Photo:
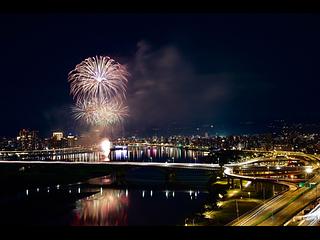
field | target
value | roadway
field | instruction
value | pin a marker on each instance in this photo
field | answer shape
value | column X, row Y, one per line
column 273, row 212
column 310, row 219
column 298, row 201
column 278, row 210
column 198, row 166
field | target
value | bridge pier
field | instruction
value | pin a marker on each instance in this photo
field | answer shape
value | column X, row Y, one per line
column 240, row 184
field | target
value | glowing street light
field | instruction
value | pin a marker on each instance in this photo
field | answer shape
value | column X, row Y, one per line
column 309, row 170
column 185, row 222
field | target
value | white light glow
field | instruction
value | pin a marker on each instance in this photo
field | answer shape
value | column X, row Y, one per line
column 308, row 170
column 105, row 146
column 247, row 184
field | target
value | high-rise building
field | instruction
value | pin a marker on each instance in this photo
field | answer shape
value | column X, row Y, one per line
column 57, row 135
column 28, row 140
column 71, row 140
column 58, row 141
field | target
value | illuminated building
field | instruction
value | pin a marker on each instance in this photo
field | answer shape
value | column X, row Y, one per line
column 28, row 140
column 57, row 135
column 71, row 140
column 58, row 141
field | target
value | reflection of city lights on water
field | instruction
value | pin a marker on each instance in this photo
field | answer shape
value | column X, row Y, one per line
column 78, row 190
column 102, row 210
column 27, row 192
column 126, row 192
column 173, row 194
column 151, row 193
column 143, row 193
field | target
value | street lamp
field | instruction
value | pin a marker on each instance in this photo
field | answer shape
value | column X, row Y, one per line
column 249, row 194
column 237, row 209
column 309, row 170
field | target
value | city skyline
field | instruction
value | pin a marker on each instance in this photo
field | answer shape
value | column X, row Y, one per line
column 159, row 119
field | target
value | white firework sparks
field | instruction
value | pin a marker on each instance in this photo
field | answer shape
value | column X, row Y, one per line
column 101, row 113
column 98, row 77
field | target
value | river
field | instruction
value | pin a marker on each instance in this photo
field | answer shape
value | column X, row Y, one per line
column 141, row 197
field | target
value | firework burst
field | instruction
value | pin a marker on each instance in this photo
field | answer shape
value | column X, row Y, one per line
column 98, row 77
column 100, row 112
column 98, row 84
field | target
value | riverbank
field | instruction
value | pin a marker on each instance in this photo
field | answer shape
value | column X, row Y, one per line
column 228, row 204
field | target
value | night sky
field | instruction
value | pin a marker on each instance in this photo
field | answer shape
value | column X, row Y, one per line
column 228, row 70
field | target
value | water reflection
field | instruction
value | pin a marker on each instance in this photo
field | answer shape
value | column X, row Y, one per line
column 107, row 208
column 155, row 153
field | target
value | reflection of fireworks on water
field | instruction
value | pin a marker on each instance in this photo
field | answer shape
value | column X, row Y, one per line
column 108, row 208
column 100, row 113
column 98, row 77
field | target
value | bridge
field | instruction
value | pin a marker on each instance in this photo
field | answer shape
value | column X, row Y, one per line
column 199, row 166
column 273, row 212
column 62, row 154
